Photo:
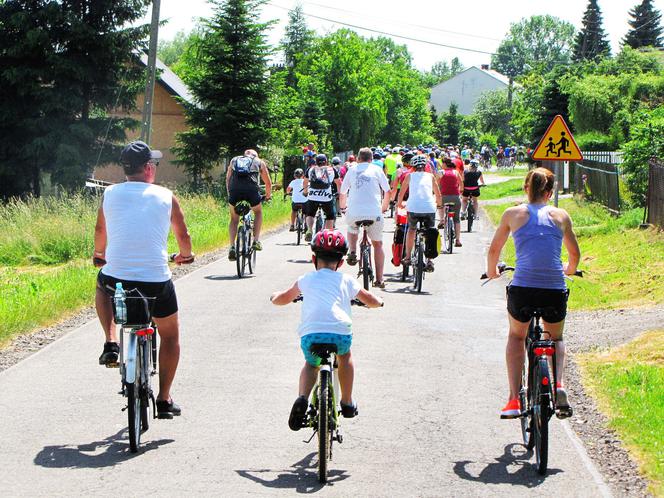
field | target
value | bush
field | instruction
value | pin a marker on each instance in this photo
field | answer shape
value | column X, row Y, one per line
column 646, row 141
column 490, row 139
column 594, row 140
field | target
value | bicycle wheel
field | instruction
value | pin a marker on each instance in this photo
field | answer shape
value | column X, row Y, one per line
column 449, row 228
column 133, row 391
column 541, row 415
column 299, row 228
column 526, row 421
column 366, row 268
column 323, row 425
column 145, row 352
column 470, row 213
column 319, row 222
column 251, row 254
column 238, row 251
column 419, row 269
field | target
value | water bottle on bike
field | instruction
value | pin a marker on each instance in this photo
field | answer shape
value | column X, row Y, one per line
column 120, row 304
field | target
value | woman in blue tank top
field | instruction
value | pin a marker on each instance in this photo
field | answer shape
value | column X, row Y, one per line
column 539, row 230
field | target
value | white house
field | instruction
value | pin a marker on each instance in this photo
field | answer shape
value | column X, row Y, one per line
column 465, row 89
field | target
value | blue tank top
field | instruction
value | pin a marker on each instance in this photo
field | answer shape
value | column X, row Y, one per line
column 538, row 246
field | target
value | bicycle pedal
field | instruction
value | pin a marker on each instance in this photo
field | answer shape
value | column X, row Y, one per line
column 339, row 438
column 113, row 365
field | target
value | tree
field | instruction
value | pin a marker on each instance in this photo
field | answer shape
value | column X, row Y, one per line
column 646, row 28
column 493, row 113
column 554, row 102
column 231, row 91
column 442, row 71
column 63, row 67
column 170, row 51
column 297, row 40
column 591, row 42
column 538, row 42
column 452, row 125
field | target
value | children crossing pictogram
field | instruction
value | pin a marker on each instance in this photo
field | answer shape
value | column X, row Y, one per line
column 557, row 144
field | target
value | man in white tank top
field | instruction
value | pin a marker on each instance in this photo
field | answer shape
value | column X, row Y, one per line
column 130, row 247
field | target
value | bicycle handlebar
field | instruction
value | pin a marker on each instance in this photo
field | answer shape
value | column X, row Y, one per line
column 353, row 302
column 502, row 268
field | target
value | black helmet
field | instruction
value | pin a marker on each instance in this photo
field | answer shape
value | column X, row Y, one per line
column 298, row 173
column 321, row 159
column 377, row 155
column 407, row 157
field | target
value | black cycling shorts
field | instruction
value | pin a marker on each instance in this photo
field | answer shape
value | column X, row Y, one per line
column 328, row 207
column 428, row 220
column 297, row 205
column 252, row 196
column 471, row 193
column 166, row 303
column 553, row 301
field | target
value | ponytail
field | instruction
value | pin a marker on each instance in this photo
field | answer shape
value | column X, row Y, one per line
column 538, row 182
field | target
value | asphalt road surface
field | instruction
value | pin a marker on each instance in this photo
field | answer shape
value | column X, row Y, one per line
column 430, row 381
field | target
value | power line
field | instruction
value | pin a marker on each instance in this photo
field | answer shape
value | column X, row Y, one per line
column 472, row 35
column 428, row 42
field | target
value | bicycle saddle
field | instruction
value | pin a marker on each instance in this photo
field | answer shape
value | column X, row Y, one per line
column 449, row 204
column 242, row 208
column 364, row 223
column 534, row 312
column 323, row 350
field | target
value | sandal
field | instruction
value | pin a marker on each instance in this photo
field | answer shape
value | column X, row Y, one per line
column 379, row 284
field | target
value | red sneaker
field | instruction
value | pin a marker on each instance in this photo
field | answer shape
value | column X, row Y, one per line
column 512, row 409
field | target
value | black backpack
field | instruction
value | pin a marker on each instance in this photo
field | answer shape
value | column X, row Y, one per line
column 319, row 178
column 243, row 166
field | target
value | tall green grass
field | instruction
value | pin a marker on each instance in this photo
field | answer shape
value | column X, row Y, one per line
column 46, row 245
column 507, row 188
column 624, row 265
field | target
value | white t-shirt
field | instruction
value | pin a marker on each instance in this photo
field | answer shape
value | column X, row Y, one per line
column 138, row 218
column 421, row 198
column 326, row 304
column 320, row 194
column 364, row 185
column 297, row 188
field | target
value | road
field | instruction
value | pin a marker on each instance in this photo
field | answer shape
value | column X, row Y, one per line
column 430, row 381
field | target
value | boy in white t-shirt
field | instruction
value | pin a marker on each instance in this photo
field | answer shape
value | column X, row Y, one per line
column 325, row 319
column 298, row 199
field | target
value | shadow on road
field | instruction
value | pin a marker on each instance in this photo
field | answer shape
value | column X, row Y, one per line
column 301, row 477
column 299, row 260
column 226, row 277
column 106, row 453
column 512, row 467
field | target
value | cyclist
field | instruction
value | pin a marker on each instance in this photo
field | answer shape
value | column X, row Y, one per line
column 243, row 184
column 424, row 196
column 318, row 189
column 336, row 166
column 325, row 319
column 132, row 227
column 451, row 185
column 392, row 163
column 368, row 193
column 472, row 179
column 539, row 230
column 298, row 199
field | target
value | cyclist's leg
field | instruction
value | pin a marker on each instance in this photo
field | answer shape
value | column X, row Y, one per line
column 293, row 214
column 258, row 221
column 169, row 353
column 346, row 376
column 555, row 331
column 330, row 214
column 515, row 354
column 410, row 239
column 105, row 313
column 308, row 376
column 375, row 233
column 352, row 234
column 232, row 225
column 464, row 204
column 309, row 212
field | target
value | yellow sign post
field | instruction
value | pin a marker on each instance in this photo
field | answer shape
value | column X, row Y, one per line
column 557, row 143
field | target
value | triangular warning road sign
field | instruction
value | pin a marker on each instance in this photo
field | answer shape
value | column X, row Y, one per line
column 557, row 144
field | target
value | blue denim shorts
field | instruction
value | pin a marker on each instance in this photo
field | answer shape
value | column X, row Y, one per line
column 343, row 343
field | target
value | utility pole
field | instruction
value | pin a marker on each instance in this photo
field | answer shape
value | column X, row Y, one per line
column 146, row 124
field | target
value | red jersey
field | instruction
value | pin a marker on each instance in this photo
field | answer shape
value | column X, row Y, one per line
column 449, row 182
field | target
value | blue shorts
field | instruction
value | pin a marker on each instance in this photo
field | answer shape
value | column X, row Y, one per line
column 343, row 343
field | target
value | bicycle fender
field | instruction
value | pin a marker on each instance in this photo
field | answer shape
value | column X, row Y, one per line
column 130, row 371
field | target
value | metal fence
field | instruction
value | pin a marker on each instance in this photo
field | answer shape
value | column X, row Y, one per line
column 598, row 180
column 656, row 192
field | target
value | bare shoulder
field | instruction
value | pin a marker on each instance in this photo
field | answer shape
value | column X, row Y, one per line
column 560, row 217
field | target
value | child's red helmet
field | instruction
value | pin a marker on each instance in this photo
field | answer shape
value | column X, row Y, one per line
column 330, row 242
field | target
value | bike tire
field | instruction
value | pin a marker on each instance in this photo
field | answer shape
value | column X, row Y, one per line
column 419, row 269
column 526, row 420
column 145, row 384
column 319, row 223
column 134, row 408
column 299, row 229
column 450, row 235
column 251, row 254
column 470, row 213
column 323, row 425
column 366, row 269
column 238, row 252
column 541, row 416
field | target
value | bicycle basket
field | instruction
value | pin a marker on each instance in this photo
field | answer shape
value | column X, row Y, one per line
column 242, row 208
column 139, row 308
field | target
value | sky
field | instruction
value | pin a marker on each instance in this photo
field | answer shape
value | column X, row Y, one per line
column 471, row 24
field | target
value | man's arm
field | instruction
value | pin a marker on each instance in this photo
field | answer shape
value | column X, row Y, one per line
column 99, row 255
column 181, row 234
column 265, row 175
column 385, row 187
column 229, row 174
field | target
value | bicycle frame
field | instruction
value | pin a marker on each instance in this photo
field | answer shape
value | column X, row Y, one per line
column 365, row 255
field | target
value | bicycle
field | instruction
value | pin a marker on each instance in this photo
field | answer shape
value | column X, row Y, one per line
column 300, row 224
column 137, row 362
column 245, row 259
column 449, row 233
column 365, row 269
column 320, row 220
column 537, row 393
column 324, row 407
column 470, row 212
column 417, row 258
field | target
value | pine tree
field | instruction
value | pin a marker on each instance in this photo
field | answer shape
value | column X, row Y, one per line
column 231, row 91
column 297, row 40
column 591, row 42
column 63, row 67
column 646, row 26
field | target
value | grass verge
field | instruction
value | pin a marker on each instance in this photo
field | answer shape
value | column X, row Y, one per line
column 628, row 384
column 45, row 245
column 624, row 265
column 507, row 188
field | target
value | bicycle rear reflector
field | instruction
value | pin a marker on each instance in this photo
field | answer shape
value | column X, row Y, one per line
column 548, row 351
column 147, row 331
